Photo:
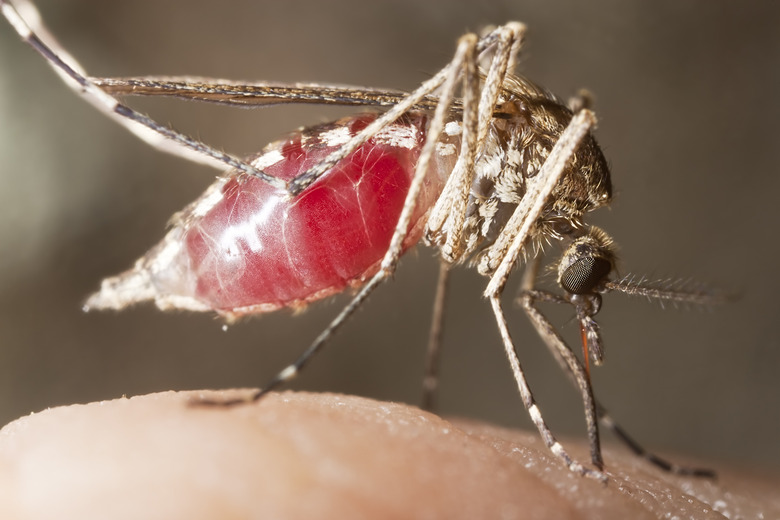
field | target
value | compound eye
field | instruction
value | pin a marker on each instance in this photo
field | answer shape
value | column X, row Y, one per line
column 582, row 276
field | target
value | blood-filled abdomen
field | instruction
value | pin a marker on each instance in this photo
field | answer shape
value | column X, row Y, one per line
column 246, row 247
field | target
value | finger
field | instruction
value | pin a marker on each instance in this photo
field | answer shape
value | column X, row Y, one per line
column 297, row 455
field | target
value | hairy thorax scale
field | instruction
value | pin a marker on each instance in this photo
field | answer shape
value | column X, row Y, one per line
column 526, row 124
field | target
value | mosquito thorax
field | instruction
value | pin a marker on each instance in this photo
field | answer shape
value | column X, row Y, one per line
column 586, row 263
column 526, row 124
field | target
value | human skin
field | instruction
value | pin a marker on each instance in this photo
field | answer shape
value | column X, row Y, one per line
column 301, row 455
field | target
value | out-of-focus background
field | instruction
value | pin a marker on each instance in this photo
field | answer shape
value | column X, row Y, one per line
column 687, row 99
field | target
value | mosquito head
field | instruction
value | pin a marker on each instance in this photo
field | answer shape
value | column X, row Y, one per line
column 583, row 273
column 586, row 263
column 584, row 270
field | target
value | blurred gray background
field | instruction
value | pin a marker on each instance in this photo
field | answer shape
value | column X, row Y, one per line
column 687, row 99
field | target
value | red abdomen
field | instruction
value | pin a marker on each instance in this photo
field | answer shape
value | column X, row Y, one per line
column 246, row 247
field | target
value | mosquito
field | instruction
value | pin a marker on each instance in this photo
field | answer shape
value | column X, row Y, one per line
column 477, row 162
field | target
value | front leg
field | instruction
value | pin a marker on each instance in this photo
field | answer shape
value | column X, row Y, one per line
column 569, row 362
column 533, row 410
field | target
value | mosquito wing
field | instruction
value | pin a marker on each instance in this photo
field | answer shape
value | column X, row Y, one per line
column 255, row 94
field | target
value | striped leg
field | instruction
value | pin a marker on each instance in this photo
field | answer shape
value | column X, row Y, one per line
column 572, row 366
column 530, row 404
